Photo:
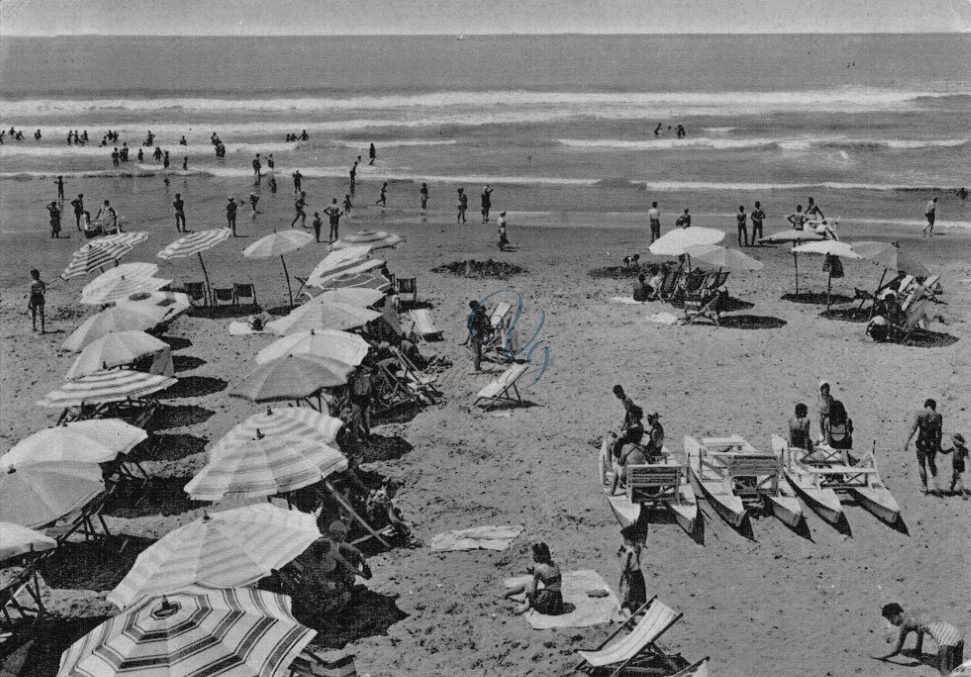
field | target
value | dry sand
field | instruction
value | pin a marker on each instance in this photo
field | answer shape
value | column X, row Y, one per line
column 778, row 605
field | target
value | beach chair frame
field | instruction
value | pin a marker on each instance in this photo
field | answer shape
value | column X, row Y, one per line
column 424, row 386
column 311, row 663
column 223, row 296
column 196, row 291
column 85, row 522
column 669, row 285
column 244, row 290
column 423, row 325
column 26, row 581
column 701, row 307
column 507, row 393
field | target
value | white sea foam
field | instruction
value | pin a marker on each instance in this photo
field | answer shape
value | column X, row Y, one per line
column 787, row 144
column 394, row 143
column 175, row 150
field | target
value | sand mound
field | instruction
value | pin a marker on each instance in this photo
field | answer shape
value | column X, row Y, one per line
column 496, row 270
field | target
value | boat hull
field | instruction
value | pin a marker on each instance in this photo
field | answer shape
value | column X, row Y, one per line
column 787, row 509
column 878, row 501
column 823, row 502
column 716, row 491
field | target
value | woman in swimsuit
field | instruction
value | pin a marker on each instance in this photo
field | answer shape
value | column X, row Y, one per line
column 547, row 599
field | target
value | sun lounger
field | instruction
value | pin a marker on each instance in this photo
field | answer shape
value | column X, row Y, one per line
column 20, row 594
column 503, row 388
column 424, row 326
column 84, row 521
column 669, row 284
column 701, row 307
column 196, row 291
column 244, row 294
column 639, row 646
column 418, row 381
column 406, row 285
column 915, row 318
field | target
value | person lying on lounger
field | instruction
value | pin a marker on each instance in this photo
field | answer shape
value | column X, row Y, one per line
column 547, row 599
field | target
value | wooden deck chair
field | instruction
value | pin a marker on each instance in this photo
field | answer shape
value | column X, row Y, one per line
column 933, row 285
column 223, row 296
column 423, row 383
column 196, row 291
column 406, row 285
column 424, row 326
column 701, row 307
column 21, row 593
column 619, row 652
column 85, row 522
column 311, row 663
column 503, row 388
column 392, row 387
column 669, row 285
column 716, row 280
column 244, row 294
column 915, row 318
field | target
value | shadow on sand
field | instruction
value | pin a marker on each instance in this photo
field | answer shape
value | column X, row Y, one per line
column 817, row 298
column 752, row 322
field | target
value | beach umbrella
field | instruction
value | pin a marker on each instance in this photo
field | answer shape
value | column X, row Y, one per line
column 289, row 378
column 723, row 258
column 40, row 494
column 316, row 343
column 130, row 239
column 112, row 385
column 93, row 441
column 891, row 257
column 363, row 280
column 114, row 350
column 791, row 236
column 675, row 242
column 341, row 261
column 266, row 466
column 282, row 421
column 371, row 239
column 118, row 318
column 121, row 288
column 196, row 632
column 278, row 244
column 230, row 549
column 92, row 256
column 322, row 315
column 196, row 243
column 827, row 248
column 164, row 306
column 362, row 298
column 17, row 540
column 131, row 271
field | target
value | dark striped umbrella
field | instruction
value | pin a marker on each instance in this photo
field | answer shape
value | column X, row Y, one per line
column 111, row 385
column 196, row 632
column 94, row 257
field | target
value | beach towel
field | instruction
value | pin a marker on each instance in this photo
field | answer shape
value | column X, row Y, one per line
column 237, row 328
column 477, row 538
column 626, row 300
column 583, row 610
column 663, row 318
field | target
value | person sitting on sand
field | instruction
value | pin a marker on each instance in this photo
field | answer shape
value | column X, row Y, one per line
column 959, row 463
column 321, row 590
column 642, row 291
column 633, row 590
column 632, row 430
column 799, row 429
column 950, row 641
column 350, row 561
column 548, row 599
column 381, row 509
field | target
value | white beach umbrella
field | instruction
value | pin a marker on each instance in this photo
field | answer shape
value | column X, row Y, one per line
column 826, row 248
column 196, row 243
column 675, row 242
column 114, row 350
column 339, row 316
column 723, row 258
column 280, row 421
column 337, row 345
column 292, row 378
column 118, row 318
column 130, row 239
column 93, row 441
column 130, row 271
column 121, row 288
column 371, row 239
column 40, row 494
column 229, row 549
column 164, row 306
column 278, row 244
column 352, row 296
column 16, row 540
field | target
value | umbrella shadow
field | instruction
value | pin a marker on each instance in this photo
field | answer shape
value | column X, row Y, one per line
column 817, row 298
column 176, row 342
column 930, row 339
column 50, row 637
column 381, row 448
column 186, row 362
column 158, row 496
column 280, row 311
column 732, row 305
column 847, row 314
column 751, row 322
column 368, row 614
column 92, row 565
column 175, row 416
column 168, row 447
column 223, row 312
column 194, row 386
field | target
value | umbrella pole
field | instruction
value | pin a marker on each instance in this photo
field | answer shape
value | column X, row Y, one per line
column 208, row 285
column 879, row 285
column 287, row 275
column 795, row 260
column 829, row 284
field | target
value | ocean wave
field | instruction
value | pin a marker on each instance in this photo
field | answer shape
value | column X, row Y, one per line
column 837, row 99
column 175, row 150
column 789, row 144
column 394, row 143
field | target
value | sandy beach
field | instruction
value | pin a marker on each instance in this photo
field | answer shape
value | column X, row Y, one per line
column 780, row 604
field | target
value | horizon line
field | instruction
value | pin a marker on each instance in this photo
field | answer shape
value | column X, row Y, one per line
column 468, row 35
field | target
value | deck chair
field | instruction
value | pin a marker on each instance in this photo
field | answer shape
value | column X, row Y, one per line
column 393, row 393
column 311, row 663
column 699, row 669
column 419, row 381
column 915, row 318
column 701, row 307
column 503, row 388
column 244, row 294
column 223, row 296
column 649, row 483
column 20, row 594
column 406, row 285
column 424, row 325
column 85, row 522
column 638, row 647
column 669, row 285
column 717, row 280
column 196, row 291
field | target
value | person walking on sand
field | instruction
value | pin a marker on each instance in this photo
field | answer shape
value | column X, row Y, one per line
column 930, row 213
column 231, row 207
column 257, row 167
column 254, row 199
column 372, row 154
column 486, row 198
column 78, row 205
column 55, row 214
column 423, row 196
column 334, row 213
column 463, row 206
column 740, row 221
column 297, row 182
column 298, row 206
column 60, row 187
column 757, row 216
column 684, row 221
column 959, row 463
column 928, row 424
column 353, row 174
column 654, row 218
column 383, row 199
column 179, row 205
column 949, row 640
column 317, row 224
column 348, row 205
column 35, row 305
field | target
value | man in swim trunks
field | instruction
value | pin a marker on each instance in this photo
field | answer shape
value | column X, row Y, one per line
column 298, row 207
column 231, row 207
column 179, row 205
column 423, row 194
column 654, row 217
column 684, row 221
column 928, row 424
column 372, row 154
column 757, row 216
column 463, row 206
column 78, row 204
column 334, row 213
column 486, row 203
column 383, row 197
column 740, row 220
column 799, row 429
column 949, row 640
column 798, row 219
column 632, row 430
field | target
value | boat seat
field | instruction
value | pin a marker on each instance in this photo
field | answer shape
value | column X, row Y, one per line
column 839, row 470
column 651, row 482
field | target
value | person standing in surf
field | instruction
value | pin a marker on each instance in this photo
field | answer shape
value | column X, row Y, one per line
column 231, row 207
column 348, row 205
column 930, row 213
column 334, row 213
column 423, row 195
column 372, row 154
column 757, row 216
column 740, row 221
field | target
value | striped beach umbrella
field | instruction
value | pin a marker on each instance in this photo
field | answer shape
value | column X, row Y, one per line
column 266, row 466
column 278, row 244
column 339, row 261
column 17, row 540
column 40, row 494
column 117, row 349
column 112, row 385
column 314, row 427
column 130, row 239
column 118, row 318
column 229, row 549
column 329, row 343
column 91, row 257
column 121, row 288
column 164, row 306
column 196, row 632
column 94, row 441
column 337, row 316
column 364, row 281
column 291, row 378
column 371, row 239
column 130, row 271
column 196, row 243
column 362, row 298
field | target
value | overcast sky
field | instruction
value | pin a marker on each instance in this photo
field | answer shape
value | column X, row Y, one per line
column 362, row 17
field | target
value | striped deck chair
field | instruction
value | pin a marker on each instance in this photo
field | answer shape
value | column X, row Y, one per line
column 669, row 285
column 914, row 319
column 639, row 646
column 699, row 669
column 503, row 388
column 424, row 327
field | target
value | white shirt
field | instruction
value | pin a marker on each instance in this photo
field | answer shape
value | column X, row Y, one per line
column 653, row 214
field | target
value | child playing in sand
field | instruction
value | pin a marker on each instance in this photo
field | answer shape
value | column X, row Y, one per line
column 36, row 304
column 960, row 450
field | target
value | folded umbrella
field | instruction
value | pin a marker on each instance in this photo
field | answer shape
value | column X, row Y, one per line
column 229, row 549
column 337, row 345
column 40, row 494
column 322, row 315
column 17, row 540
column 114, row 350
column 118, row 318
column 290, row 378
column 93, row 441
column 112, row 385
